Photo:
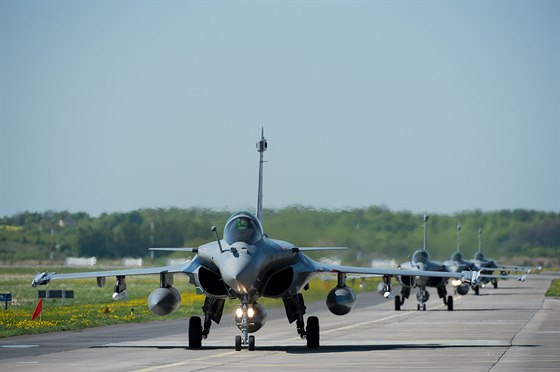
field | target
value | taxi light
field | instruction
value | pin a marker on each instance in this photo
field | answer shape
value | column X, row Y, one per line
column 250, row 312
column 239, row 312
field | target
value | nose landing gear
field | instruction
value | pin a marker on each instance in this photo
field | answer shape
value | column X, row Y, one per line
column 244, row 340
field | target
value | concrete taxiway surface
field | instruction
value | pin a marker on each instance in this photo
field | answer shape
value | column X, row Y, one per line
column 511, row 328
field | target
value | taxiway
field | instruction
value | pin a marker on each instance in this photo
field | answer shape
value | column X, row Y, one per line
column 511, row 328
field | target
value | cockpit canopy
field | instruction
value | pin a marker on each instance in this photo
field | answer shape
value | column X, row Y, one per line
column 479, row 256
column 243, row 227
column 457, row 256
column 420, row 256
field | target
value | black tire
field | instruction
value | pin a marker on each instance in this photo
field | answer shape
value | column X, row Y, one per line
column 397, row 303
column 477, row 290
column 423, row 307
column 195, row 332
column 312, row 332
column 495, row 283
column 237, row 343
column 450, row 303
column 418, row 307
column 251, row 343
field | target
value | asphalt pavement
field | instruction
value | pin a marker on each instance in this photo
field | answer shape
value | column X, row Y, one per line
column 510, row 328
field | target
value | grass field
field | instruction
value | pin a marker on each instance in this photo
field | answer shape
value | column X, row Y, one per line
column 94, row 306
column 554, row 289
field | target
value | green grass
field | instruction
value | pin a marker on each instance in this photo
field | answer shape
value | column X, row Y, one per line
column 94, row 306
column 554, row 289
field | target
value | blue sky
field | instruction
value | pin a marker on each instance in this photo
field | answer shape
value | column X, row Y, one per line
column 414, row 105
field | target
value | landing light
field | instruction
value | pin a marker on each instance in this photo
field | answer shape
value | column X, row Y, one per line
column 456, row 282
column 239, row 312
column 250, row 312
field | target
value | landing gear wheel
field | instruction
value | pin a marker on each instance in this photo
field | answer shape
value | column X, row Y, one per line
column 450, row 303
column 418, row 307
column 477, row 290
column 397, row 303
column 237, row 343
column 251, row 343
column 195, row 332
column 423, row 307
column 495, row 283
column 312, row 332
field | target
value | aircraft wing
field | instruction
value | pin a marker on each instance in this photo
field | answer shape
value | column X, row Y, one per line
column 46, row 277
column 308, row 249
column 193, row 250
column 465, row 276
column 525, row 269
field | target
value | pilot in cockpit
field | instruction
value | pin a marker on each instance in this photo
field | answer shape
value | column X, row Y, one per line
column 242, row 229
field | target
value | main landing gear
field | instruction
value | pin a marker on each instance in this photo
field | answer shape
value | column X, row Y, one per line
column 213, row 309
column 195, row 333
column 399, row 300
column 442, row 293
column 295, row 310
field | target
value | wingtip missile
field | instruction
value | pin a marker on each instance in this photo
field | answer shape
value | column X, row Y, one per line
column 41, row 279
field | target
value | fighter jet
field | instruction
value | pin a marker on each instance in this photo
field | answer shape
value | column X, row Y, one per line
column 247, row 265
column 457, row 263
column 489, row 266
column 420, row 261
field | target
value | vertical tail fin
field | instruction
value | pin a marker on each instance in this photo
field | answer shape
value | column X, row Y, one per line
column 426, row 231
column 458, row 236
column 480, row 239
column 261, row 148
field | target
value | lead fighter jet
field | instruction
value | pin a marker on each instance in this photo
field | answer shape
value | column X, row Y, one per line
column 247, row 265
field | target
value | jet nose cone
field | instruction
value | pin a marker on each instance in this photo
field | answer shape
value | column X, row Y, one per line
column 240, row 273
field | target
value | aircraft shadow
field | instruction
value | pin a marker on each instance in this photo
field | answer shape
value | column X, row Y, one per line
column 505, row 294
column 366, row 348
column 323, row 349
column 428, row 310
column 496, row 309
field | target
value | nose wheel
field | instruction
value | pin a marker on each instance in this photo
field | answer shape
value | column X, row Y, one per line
column 244, row 340
column 239, row 344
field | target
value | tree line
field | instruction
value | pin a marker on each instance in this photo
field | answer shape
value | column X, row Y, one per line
column 373, row 232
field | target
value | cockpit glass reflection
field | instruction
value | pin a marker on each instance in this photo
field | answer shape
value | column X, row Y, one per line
column 420, row 256
column 242, row 228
